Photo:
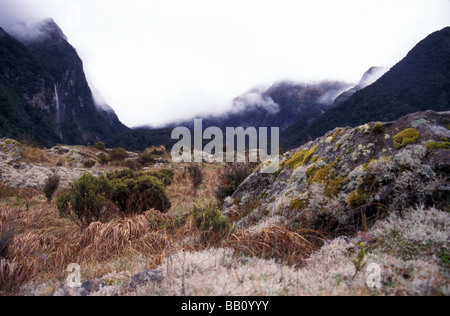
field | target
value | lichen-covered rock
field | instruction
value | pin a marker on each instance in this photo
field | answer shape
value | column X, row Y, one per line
column 350, row 171
column 17, row 170
column 10, row 150
column 111, row 284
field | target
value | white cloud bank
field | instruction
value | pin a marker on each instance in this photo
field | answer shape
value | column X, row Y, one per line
column 156, row 61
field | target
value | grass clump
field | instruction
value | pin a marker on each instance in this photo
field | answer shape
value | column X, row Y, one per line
column 333, row 138
column 406, row 137
column 6, row 191
column 210, row 221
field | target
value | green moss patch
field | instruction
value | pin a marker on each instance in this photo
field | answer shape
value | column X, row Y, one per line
column 299, row 204
column 301, row 158
column 406, row 137
column 431, row 146
column 378, row 128
column 333, row 183
column 359, row 197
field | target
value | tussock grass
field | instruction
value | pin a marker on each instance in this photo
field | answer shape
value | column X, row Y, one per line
column 35, row 155
column 277, row 243
column 270, row 259
column 13, row 275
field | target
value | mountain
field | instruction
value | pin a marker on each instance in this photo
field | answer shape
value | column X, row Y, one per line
column 277, row 106
column 44, row 95
column 369, row 77
column 419, row 82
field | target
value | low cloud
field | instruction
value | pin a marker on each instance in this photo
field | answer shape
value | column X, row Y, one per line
column 255, row 98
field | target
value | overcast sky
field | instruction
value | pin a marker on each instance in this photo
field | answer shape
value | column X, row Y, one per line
column 159, row 60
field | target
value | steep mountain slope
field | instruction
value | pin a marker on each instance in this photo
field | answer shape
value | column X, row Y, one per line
column 421, row 81
column 44, row 95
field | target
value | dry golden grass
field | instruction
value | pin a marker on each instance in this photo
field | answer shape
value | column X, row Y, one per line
column 277, row 242
column 182, row 193
column 13, row 275
column 34, row 154
column 6, row 191
column 45, row 243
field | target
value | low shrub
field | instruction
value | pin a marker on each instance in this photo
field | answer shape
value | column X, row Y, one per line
column 125, row 192
column 118, row 154
column 231, row 178
column 139, row 193
column 210, row 221
column 147, row 159
column 63, row 203
column 132, row 164
column 89, row 163
column 196, row 174
column 88, row 199
column 51, row 185
column 100, row 146
column 164, row 175
column 103, row 158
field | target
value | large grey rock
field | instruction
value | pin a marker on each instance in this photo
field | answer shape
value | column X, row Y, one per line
column 348, row 171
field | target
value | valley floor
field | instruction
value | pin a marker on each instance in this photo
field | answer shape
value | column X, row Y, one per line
column 168, row 254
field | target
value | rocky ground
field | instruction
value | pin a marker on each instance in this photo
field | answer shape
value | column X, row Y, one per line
column 359, row 211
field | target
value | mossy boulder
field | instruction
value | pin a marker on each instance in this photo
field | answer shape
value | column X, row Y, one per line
column 353, row 171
